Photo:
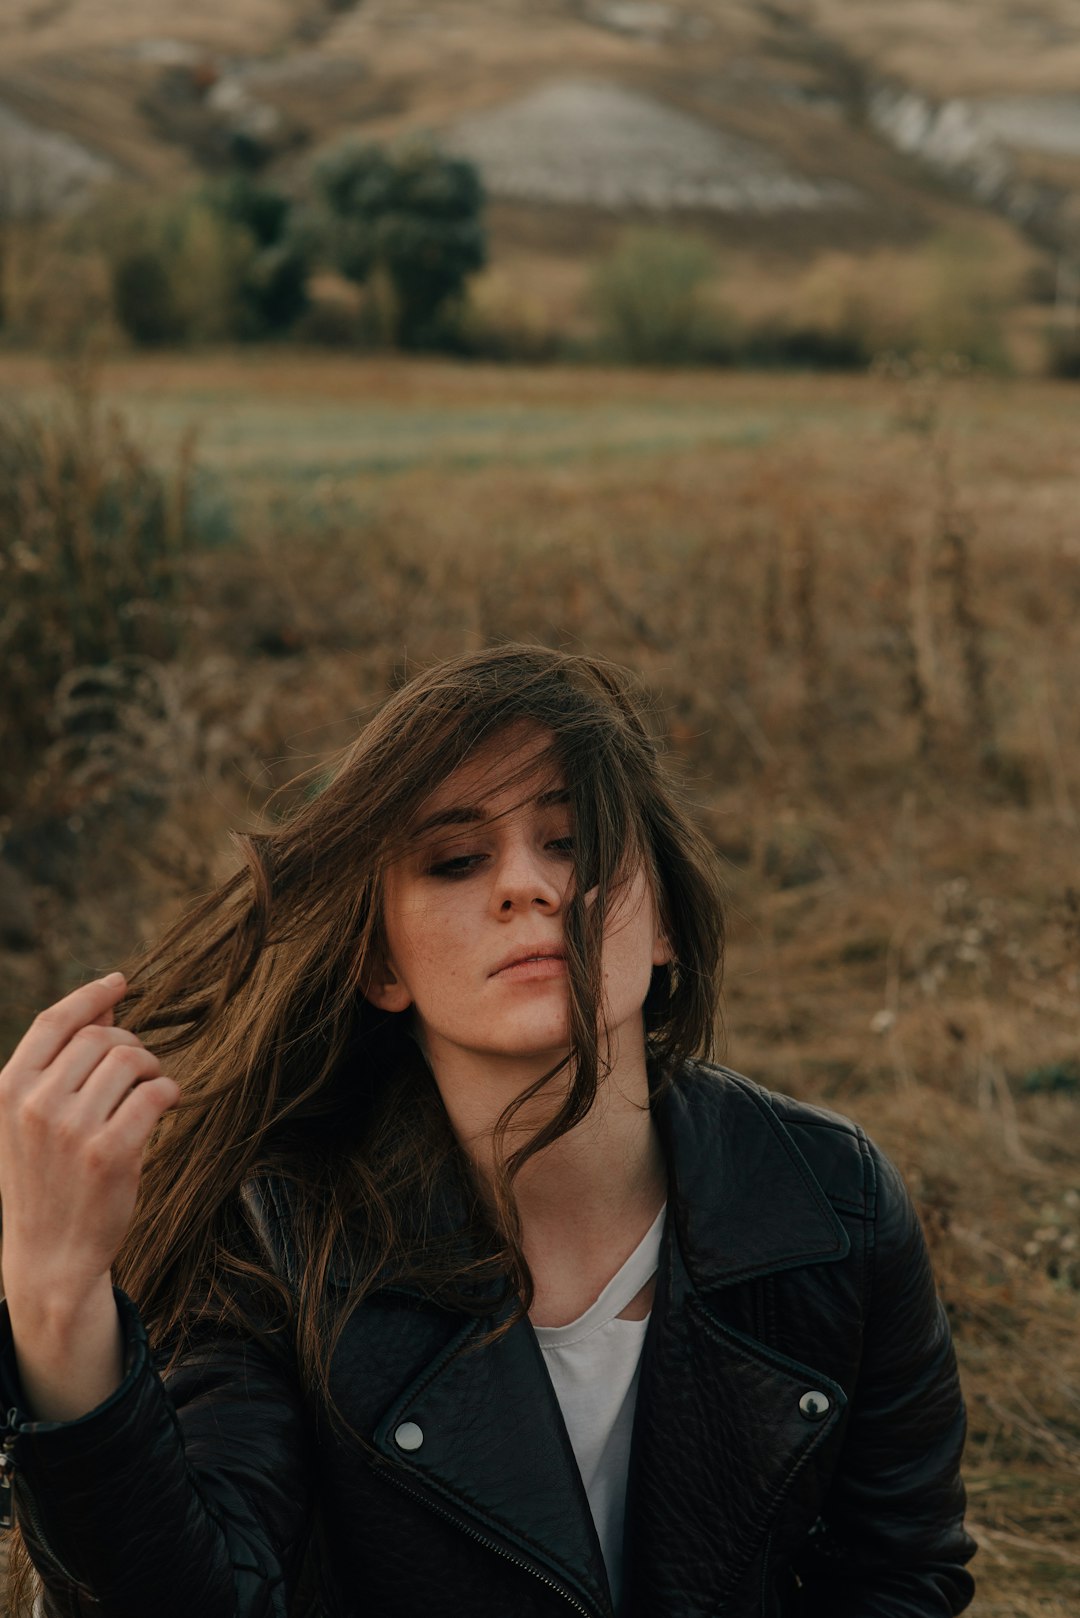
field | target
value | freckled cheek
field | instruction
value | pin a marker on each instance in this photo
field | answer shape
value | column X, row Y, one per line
column 438, row 949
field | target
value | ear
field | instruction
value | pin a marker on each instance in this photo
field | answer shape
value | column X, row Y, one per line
column 662, row 954
column 386, row 990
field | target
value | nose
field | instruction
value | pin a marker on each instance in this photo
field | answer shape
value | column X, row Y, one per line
column 524, row 880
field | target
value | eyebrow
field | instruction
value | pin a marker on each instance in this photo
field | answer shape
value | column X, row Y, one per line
column 466, row 814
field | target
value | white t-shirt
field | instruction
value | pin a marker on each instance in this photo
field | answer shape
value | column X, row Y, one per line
column 593, row 1363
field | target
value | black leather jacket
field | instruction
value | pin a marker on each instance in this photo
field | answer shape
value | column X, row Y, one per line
column 798, row 1429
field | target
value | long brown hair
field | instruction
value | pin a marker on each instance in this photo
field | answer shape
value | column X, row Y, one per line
column 254, row 1002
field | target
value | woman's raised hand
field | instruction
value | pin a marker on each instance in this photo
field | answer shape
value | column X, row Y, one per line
column 79, row 1100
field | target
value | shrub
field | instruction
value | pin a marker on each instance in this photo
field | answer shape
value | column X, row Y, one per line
column 330, row 321
column 504, row 323
column 210, row 256
column 1063, row 353
column 59, row 300
column 177, row 270
column 92, row 542
column 273, row 292
column 966, row 312
column 261, row 209
column 411, row 215
column 949, row 297
column 648, row 298
column 272, row 284
column 143, row 297
column 800, row 347
column 210, row 265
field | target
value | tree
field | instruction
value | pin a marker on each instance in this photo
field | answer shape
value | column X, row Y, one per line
column 272, row 293
column 411, row 213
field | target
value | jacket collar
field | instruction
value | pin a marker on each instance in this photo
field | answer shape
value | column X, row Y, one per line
column 744, row 1199
column 493, row 1452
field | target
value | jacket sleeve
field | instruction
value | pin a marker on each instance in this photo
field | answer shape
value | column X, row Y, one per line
column 891, row 1543
column 174, row 1497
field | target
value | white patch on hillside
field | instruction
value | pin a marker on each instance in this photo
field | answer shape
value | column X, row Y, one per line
column 600, row 145
column 1032, row 123
column 958, row 139
column 165, row 52
column 646, row 19
column 42, row 172
column 946, row 135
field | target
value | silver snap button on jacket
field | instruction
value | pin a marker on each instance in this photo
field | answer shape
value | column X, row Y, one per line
column 408, row 1436
column 815, row 1405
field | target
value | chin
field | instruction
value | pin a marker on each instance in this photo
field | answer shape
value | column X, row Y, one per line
column 544, row 1051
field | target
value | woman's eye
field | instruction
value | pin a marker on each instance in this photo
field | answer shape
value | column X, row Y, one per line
column 458, row 865
column 564, row 845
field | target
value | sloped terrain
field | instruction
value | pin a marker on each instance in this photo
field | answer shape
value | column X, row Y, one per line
column 778, row 95
column 598, row 145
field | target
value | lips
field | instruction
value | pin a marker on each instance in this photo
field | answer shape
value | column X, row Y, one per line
column 539, row 952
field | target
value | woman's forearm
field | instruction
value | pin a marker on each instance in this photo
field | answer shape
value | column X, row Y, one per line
column 189, row 1494
column 79, row 1100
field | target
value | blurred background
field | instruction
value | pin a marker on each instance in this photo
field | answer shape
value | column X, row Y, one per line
column 739, row 342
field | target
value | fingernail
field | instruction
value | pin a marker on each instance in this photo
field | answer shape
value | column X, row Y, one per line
column 113, row 977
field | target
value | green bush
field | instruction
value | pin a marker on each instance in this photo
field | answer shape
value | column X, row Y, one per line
column 648, row 299
column 1063, row 353
column 948, row 300
column 274, row 292
column 965, row 314
column 143, row 298
column 177, row 269
column 409, row 217
column 272, row 287
column 805, row 348
column 211, row 265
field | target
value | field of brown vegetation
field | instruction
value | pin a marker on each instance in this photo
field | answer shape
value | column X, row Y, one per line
column 857, row 604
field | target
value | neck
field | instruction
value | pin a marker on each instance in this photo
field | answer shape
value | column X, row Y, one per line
column 605, row 1171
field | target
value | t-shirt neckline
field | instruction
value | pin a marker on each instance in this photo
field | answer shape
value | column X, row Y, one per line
column 624, row 1285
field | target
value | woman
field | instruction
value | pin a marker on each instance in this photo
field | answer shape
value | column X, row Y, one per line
column 453, row 1280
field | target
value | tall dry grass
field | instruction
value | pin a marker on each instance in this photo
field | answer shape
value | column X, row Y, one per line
column 91, row 539
column 863, row 654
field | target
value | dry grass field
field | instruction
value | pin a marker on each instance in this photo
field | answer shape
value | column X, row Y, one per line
column 857, row 604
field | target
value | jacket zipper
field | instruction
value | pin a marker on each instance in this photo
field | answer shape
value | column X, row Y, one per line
column 490, row 1543
column 7, row 1508
column 765, row 1555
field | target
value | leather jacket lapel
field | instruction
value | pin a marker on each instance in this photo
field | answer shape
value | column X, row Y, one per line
column 720, row 1434
column 719, row 1437
column 746, row 1201
column 484, row 1441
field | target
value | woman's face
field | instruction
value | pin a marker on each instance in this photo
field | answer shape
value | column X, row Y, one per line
column 474, row 916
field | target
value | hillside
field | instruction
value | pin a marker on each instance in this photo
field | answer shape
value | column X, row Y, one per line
column 798, row 126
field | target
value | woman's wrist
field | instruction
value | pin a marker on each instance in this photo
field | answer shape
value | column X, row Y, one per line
column 69, row 1352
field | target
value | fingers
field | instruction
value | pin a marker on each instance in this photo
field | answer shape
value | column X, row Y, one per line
column 138, row 1114
column 86, row 1049
column 51, row 1029
column 115, row 1076
column 111, row 1143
